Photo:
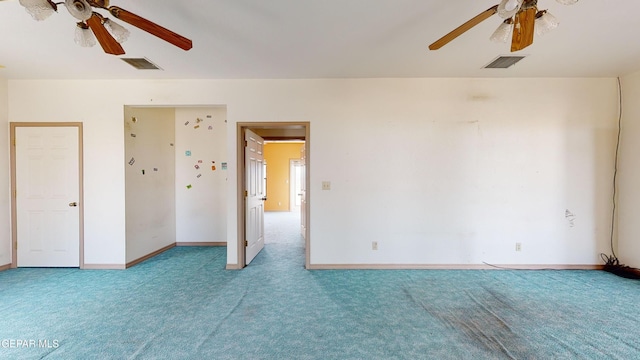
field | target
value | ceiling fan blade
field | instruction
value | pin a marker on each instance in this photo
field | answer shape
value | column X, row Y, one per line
column 463, row 28
column 151, row 27
column 523, row 29
column 108, row 43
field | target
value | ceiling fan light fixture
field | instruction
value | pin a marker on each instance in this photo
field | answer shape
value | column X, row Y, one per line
column 502, row 33
column 119, row 32
column 79, row 9
column 545, row 22
column 508, row 8
column 84, row 36
column 39, row 9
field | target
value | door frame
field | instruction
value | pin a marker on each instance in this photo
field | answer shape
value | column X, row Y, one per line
column 271, row 131
column 14, row 212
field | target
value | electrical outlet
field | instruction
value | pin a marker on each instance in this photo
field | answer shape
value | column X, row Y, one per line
column 518, row 246
column 374, row 245
column 326, row 185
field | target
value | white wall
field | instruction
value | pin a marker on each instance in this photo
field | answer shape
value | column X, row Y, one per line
column 457, row 172
column 201, row 194
column 149, row 179
column 629, row 174
column 5, row 187
column 438, row 171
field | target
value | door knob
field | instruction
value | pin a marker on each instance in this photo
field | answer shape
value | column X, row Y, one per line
column 264, row 198
column 73, row 204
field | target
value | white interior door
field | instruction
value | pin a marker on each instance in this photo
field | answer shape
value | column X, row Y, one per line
column 255, row 194
column 47, row 196
column 303, row 193
column 295, row 184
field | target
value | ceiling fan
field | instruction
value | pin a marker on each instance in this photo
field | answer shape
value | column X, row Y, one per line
column 522, row 20
column 92, row 25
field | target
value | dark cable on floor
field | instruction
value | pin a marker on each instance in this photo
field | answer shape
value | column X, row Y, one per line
column 611, row 262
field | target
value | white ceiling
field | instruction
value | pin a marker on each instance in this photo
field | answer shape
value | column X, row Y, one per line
column 324, row 39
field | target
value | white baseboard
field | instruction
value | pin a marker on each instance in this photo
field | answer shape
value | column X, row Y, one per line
column 150, row 255
column 450, row 267
column 104, row 267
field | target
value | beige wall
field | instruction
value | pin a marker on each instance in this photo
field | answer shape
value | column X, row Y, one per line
column 437, row 171
column 201, row 210
column 628, row 244
column 150, row 194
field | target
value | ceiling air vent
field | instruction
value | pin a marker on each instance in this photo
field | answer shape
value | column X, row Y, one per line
column 141, row 63
column 503, row 62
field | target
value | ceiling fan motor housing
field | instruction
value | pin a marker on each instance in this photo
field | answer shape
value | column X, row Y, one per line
column 99, row 3
column 79, row 9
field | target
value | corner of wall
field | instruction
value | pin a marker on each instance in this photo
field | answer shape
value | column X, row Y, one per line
column 628, row 231
column 149, row 181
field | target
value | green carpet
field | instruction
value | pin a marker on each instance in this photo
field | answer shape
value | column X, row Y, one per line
column 182, row 304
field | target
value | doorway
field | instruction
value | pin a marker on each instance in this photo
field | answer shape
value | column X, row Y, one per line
column 283, row 215
column 46, row 189
column 277, row 131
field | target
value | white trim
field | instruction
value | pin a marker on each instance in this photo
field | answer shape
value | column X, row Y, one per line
column 450, row 267
column 150, row 255
column 104, row 267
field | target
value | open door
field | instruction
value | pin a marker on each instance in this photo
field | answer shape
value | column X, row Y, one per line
column 303, row 193
column 255, row 194
column 295, row 184
column 252, row 189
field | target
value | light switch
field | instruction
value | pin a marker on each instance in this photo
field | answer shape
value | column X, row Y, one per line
column 326, row 185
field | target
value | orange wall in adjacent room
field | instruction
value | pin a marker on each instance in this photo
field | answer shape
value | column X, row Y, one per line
column 277, row 156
